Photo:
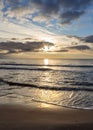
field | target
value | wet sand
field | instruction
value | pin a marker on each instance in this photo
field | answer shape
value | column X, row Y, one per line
column 17, row 117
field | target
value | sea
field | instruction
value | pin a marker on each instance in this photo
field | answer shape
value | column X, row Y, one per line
column 64, row 83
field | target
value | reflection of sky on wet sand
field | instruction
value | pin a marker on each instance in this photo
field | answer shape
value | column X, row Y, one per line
column 45, row 97
column 48, row 99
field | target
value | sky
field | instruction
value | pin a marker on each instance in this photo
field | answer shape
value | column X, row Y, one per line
column 46, row 28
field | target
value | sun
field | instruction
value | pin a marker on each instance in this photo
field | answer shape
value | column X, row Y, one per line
column 46, row 48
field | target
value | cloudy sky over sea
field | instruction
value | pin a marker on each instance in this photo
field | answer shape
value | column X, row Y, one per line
column 46, row 27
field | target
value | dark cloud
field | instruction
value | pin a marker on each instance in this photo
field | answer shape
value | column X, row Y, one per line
column 29, row 46
column 62, row 50
column 65, row 10
column 80, row 47
column 75, row 47
column 13, row 47
column 70, row 16
column 88, row 39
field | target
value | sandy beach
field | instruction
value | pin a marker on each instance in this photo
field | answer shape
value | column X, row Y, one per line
column 16, row 117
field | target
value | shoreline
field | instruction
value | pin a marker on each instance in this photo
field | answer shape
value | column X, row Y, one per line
column 18, row 117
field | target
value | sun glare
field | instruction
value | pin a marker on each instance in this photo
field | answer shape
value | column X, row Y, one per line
column 46, row 48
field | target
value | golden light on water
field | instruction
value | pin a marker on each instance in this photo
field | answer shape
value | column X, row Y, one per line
column 45, row 105
column 46, row 61
column 46, row 97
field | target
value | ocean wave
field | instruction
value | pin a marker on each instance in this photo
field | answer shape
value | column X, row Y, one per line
column 14, row 64
column 65, row 106
column 20, row 68
column 10, row 83
column 79, row 83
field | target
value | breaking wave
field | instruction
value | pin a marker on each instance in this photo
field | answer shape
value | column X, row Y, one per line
column 14, row 64
column 20, row 68
column 51, row 88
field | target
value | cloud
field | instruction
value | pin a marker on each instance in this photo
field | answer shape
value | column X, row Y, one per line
column 1, row 7
column 61, row 44
column 80, row 47
column 89, row 39
column 62, row 50
column 65, row 11
column 70, row 16
column 15, row 47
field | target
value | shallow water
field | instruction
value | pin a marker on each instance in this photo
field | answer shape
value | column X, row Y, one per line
column 66, row 83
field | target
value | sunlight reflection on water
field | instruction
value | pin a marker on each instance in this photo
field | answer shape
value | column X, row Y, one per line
column 56, row 76
column 46, row 61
